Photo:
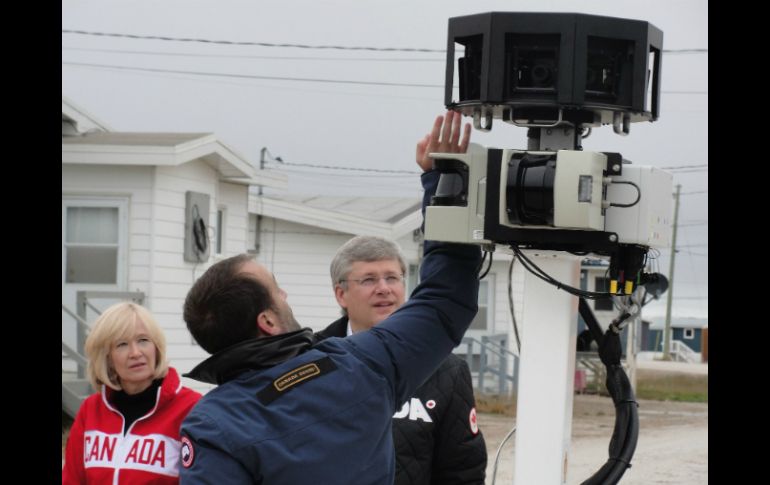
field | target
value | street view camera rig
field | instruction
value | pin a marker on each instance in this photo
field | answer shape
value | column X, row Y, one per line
column 558, row 75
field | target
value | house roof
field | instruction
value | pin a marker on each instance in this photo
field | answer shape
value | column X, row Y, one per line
column 78, row 120
column 86, row 140
column 657, row 323
column 390, row 217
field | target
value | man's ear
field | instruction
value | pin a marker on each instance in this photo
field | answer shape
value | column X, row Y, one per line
column 267, row 322
column 339, row 294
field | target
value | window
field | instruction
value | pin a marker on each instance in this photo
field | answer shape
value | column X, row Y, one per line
column 91, row 244
column 689, row 333
column 602, row 285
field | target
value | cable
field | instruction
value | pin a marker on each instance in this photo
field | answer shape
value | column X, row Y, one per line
column 272, row 58
column 338, row 167
column 248, row 76
column 510, row 305
column 301, row 46
column 638, row 194
column 489, row 264
column 535, row 270
column 260, row 44
column 497, row 455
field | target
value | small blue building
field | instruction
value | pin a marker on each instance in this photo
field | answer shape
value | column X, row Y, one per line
column 692, row 332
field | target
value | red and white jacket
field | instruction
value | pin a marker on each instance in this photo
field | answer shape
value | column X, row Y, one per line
column 98, row 452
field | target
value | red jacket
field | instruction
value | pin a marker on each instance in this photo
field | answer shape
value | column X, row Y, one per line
column 98, row 452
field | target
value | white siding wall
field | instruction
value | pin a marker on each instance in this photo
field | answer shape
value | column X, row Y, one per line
column 172, row 277
column 299, row 256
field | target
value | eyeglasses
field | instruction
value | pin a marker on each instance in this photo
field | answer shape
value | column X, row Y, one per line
column 371, row 281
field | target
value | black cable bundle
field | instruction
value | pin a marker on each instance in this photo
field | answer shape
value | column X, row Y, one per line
column 626, row 432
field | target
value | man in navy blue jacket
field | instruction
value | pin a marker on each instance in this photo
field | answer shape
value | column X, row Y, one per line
column 435, row 432
column 291, row 411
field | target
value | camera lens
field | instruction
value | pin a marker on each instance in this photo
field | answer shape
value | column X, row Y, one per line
column 541, row 75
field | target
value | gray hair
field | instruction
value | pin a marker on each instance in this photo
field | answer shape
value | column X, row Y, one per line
column 363, row 248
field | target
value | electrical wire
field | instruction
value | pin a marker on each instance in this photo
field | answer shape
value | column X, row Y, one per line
column 535, row 270
column 301, row 46
column 510, row 305
column 259, row 44
column 249, row 76
column 270, row 58
column 337, row 167
column 497, row 454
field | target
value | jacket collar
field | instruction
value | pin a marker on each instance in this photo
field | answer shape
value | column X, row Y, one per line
column 338, row 328
column 253, row 354
column 169, row 387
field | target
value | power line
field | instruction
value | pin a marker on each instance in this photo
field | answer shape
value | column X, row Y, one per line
column 243, row 56
column 249, row 76
column 260, row 44
column 300, row 46
column 395, row 177
column 337, row 167
column 271, row 78
column 695, row 192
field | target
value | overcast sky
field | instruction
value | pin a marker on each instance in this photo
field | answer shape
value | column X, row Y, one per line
column 354, row 124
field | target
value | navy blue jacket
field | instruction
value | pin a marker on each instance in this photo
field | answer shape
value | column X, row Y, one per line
column 323, row 414
column 435, row 432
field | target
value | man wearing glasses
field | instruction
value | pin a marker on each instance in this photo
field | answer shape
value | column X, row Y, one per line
column 435, row 433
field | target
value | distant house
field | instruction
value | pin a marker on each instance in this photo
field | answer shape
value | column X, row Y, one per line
column 692, row 332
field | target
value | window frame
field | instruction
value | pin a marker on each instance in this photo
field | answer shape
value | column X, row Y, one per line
column 119, row 203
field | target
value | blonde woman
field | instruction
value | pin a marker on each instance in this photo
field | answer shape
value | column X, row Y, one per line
column 128, row 432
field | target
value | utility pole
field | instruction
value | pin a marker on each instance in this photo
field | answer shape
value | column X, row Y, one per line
column 263, row 154
column 258, row 227
column 667, row 330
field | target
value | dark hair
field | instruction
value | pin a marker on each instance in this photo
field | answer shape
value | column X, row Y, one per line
column 222, row 306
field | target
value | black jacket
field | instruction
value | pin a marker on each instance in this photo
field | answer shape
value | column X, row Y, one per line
column 433, row 432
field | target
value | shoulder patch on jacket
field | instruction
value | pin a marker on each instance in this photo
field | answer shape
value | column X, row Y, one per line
column 472, row 420
column 187, row 452
column 299, row 375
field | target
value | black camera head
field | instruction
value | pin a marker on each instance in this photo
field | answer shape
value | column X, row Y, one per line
column 553, row 69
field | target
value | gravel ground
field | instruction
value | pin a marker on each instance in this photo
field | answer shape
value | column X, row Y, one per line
column 672, row 446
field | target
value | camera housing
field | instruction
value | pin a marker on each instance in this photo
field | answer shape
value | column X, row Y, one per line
column 557, row 74
column 547, row 68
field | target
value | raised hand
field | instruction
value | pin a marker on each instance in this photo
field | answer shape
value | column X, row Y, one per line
column 444, row 138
